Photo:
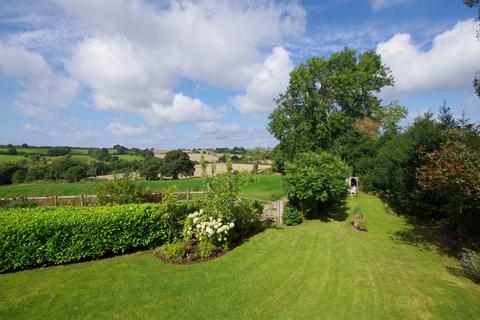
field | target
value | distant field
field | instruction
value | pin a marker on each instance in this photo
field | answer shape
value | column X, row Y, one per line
column 29, row 150
column 128, row 157
column 81, row 155
column 265, row 187
column 6, row 158
column 15, row 158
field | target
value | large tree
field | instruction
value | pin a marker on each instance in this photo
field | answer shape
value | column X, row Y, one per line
column 177, row 162
column 324, row 98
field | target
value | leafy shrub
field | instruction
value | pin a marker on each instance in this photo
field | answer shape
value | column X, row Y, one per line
column 58, row 151
column 314, row 180
column 246, row 216
column 173, row 252
column 35, row 173
column 206, row 249
column 224, row 218
column 19, row 176
column 291, row 216
column 206, row 228
column 44, row 236
column 470, row 264
column 122, row 191
column 6, row 172
column 75, row 173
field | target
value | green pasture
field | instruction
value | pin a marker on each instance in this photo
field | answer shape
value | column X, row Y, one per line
column 265, row 187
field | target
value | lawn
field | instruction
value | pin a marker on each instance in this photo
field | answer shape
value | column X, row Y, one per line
column 318, row 270
column 266, row 187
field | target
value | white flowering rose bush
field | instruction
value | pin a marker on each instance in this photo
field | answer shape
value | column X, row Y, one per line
column 207, row 228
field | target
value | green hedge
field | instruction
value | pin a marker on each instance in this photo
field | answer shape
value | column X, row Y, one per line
column 32, row 237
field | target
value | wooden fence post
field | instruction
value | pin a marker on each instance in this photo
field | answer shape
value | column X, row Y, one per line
column 55, row 200
column 81, row 200
column 280, row 208
column 188, row 195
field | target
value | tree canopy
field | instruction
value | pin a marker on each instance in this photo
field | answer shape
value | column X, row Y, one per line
column 177, row 162
column 325, row 97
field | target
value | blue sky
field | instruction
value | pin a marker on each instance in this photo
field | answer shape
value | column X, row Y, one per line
column 190, row 74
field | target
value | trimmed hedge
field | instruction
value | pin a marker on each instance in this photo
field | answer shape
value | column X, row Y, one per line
column 32, row 237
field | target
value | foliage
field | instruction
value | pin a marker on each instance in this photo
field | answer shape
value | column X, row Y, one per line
column 151, row 168
column 392, row 170
column 76, row 173
column 223, row 217
column 246, row 215
column 120, row 149
column 58, row 151
column 367, row 127
column 206, row 228
column 357, row 150
column 43, row 236
column 170, row 201
column 453, row 173
column 315, row 180
column 99, row 154
column 19, row 176
column 470, row 264
column 257, row 155
column 122, row 191
column 222, row 190
column 390, row 115
column 7, row 171
column 206, row 249
column 173, row 252
column 323, row 99
column 291, row 216
column 177, row 162
column 11, row 151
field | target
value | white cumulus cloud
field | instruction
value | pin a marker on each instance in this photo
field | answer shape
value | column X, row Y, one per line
column 268, row 81
column 449, row 64
column 137, row 51
column 42, row 88
column 123, row 130
column 182, row 109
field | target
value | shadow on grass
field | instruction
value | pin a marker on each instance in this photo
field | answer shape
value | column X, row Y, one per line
column 427, row 237
column 459, row 272
column 331, row 212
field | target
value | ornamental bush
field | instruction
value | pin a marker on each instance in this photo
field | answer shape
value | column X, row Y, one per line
column 44, row 236
column 224, row 218
column 122, row 190
column 314, row 180
column 291, row 216
column 173, row 252
column 206, row 228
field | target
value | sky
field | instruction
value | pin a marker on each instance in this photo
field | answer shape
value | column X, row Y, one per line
column 196, row 74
